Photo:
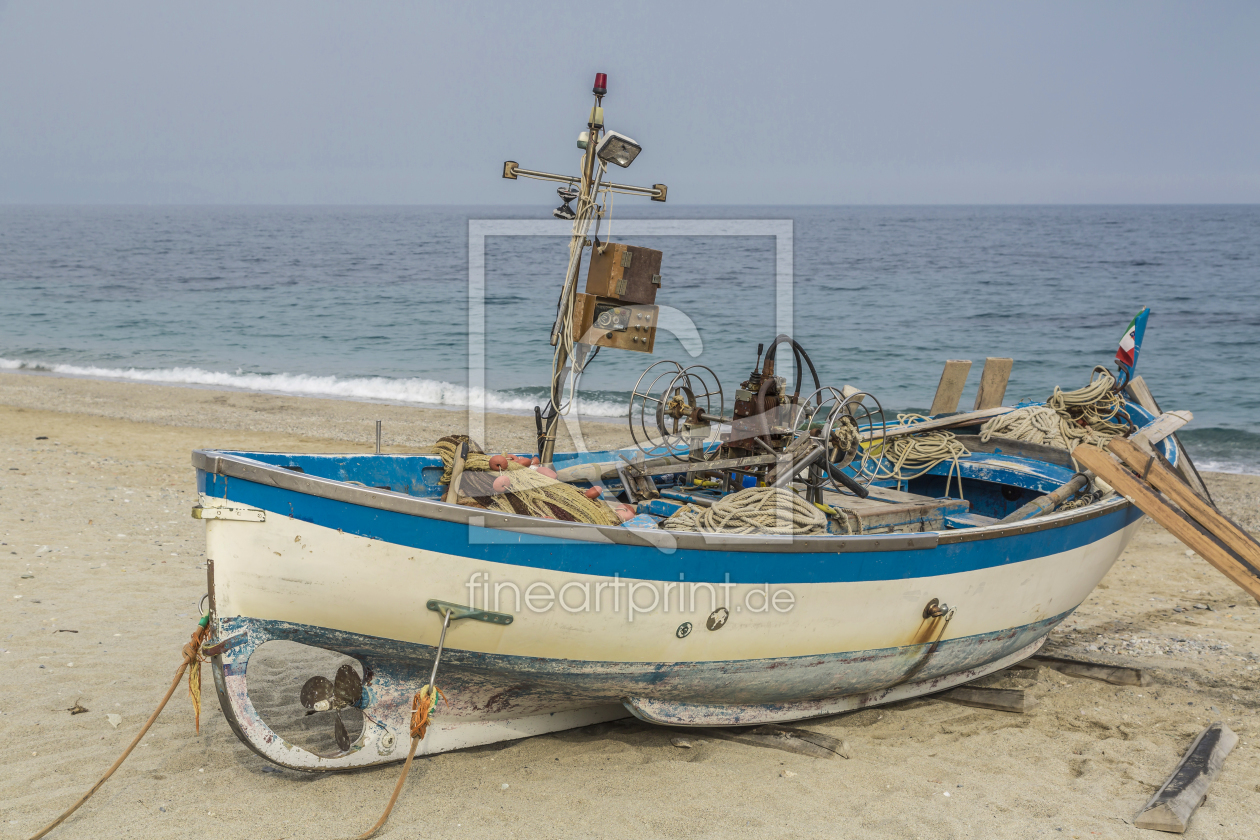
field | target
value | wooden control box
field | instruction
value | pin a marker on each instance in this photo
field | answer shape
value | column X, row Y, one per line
column 626, row 273
column 608, row 322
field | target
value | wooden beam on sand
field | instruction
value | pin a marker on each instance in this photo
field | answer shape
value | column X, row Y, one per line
column 1173, row 804
column 1113, row 674
column 949, row 389
column 998, row 699
column 1236, row 568
column 997, row 372
column 1142, row 395
column 799, row 741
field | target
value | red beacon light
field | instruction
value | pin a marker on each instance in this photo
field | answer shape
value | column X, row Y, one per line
column 601, row 84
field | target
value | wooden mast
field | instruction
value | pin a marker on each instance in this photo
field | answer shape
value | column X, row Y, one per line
column 560, row 336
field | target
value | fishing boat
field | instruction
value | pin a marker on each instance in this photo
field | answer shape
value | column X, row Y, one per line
column 798, row 555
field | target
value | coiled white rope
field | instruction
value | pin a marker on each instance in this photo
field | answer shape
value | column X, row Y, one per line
column 755, row 510
column 906, row 457
column 1068, row 419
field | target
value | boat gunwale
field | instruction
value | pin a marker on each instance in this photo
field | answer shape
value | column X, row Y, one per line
column 218, row 462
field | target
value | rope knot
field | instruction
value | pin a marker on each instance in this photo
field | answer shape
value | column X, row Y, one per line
column 422, row 706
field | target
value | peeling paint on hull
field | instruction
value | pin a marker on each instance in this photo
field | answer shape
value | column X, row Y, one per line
column 496, row 698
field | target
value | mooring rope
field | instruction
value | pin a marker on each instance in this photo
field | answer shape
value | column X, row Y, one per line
column 192, row 653
column 422, row 706
column 755, row 510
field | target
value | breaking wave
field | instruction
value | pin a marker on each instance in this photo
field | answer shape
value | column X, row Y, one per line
column 414, row 391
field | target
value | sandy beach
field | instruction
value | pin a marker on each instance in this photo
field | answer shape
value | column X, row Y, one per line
column 103, row 568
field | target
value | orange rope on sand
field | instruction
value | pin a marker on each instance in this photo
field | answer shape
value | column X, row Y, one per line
column 192, row 653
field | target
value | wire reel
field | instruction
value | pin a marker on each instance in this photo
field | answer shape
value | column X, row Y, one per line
column 681, row 419
column 840, row 422
column 847, row 423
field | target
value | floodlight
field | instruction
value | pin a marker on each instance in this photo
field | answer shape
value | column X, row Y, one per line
column 617, row 148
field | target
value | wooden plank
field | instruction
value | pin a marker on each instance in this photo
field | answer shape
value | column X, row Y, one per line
column 1170, row 484
column 949, row 389
column 997, row 372
column 1106, row 467
column 1164, row 425
column 998, row 699
column 657, row 466
column 1113, row 674
column 799, row 741
column 1172, row 806
column 970, row 418
column 1138, row 389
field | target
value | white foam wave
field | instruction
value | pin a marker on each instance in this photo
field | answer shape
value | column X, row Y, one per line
column 377, row 388
column 1224, row 465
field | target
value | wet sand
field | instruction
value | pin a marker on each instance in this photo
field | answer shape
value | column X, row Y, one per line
column 98, row 515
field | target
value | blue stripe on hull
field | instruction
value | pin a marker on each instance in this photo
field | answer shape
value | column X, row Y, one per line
column 647, row 563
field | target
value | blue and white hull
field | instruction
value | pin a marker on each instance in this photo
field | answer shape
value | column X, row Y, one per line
column 610, row 621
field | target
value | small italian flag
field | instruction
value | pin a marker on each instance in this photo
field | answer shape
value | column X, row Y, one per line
column 1131, row 341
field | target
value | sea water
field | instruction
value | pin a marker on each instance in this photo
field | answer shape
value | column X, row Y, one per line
column 372, row 303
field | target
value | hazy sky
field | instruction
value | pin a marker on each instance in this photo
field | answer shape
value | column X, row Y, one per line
column 757, row 103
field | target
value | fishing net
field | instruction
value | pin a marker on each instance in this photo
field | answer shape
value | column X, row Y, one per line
column 529, row 492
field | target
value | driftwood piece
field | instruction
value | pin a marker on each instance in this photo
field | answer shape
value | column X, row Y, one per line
column 949, row 390
column 800, row 741
column 997, row 372
column 1114, row 674
column 1173, row 804
column 998, row 699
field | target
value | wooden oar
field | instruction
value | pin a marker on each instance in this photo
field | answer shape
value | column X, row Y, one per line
column 457, row 472
column 1202, row 540
column 1048, row 502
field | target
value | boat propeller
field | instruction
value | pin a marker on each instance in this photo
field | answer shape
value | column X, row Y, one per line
column 321, row 694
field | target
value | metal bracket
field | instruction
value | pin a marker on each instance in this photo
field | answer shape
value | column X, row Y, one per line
column 223, row 644
column 638, row 485
column 459, row 611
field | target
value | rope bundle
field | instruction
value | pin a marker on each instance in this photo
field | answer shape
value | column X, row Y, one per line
column 1068, row 419
column 529, row 492
column 909, row 456
column 756, row 510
